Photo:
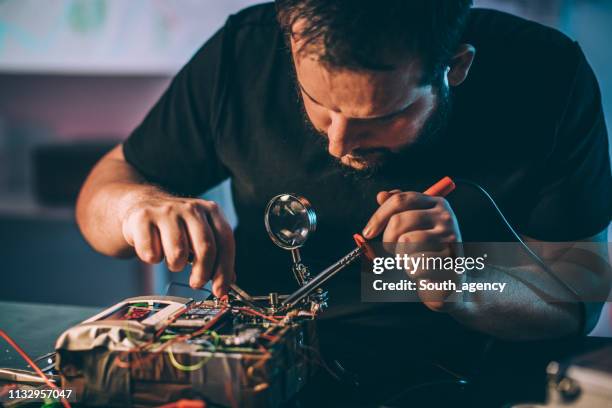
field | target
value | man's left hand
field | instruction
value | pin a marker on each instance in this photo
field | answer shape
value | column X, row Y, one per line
column 419, row 220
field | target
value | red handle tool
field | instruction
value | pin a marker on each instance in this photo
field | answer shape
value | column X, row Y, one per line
column 441, row 189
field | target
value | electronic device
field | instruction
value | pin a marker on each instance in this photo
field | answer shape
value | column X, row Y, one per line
column 151, row 350
column 240, row 350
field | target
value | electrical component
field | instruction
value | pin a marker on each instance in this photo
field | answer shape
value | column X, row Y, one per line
column 236, row 351
column 223, row 351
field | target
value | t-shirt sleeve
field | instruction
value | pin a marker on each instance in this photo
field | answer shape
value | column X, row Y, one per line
column 575, row 198
column 174, row 146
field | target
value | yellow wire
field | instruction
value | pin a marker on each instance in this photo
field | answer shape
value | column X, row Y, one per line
column 199, row 364
column 183, row 367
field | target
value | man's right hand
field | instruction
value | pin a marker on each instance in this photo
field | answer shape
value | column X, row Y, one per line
column 180, row 230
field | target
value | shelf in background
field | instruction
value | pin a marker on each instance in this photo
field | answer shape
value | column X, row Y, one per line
column 25, row 206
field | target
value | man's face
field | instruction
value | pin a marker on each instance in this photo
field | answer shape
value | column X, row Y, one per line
column 368, row 115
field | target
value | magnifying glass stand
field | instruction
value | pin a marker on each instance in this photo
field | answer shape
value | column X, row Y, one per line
column 289, row 220
column 300, row 271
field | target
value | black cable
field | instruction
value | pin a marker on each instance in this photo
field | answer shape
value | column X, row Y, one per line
column 184, row 285
column 516, row 236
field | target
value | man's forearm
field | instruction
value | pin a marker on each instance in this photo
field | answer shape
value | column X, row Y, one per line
column 121, row 215
column 106, row 196
column 521, row 312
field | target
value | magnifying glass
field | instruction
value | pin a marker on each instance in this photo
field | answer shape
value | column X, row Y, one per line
column 289, row 220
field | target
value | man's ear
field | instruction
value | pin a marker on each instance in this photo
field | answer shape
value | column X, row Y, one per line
column 460, row 64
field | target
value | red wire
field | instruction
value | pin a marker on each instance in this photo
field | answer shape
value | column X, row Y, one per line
column 32, row 364
column 152, row 355
column 256, row 313
column 185, row 403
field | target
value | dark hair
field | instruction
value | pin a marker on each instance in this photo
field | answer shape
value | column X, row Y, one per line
column 377, row 34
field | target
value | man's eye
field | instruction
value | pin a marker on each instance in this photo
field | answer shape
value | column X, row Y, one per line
column 393, row 117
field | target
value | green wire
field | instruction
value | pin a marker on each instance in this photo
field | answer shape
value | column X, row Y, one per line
column 199, row 364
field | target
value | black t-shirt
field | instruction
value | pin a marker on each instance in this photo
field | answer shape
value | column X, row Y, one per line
column 527, row 124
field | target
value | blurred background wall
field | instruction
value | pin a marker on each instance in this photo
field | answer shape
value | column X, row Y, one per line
column 77, row 75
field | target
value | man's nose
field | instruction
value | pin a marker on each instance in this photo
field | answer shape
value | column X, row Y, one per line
column 342, row 136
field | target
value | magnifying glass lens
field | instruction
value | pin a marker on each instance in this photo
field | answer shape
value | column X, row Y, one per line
column 289, row 220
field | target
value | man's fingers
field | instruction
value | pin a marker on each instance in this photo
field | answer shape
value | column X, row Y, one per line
column 394, row 204
column 221, row 282
column 226, row 250
column 406, row 221
column 384, row 196
column 204, row 247
column 430, row 237
column 182, row 230
column 146, row 242
column 175, row 243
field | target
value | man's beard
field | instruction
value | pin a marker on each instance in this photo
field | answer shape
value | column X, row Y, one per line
column 430, row 132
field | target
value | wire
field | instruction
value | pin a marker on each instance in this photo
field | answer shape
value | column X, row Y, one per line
column 158, row 334
column 185, row 403
column 184, row 285
column 516, row 236
column 184, row 367
column 256, row 313
column 50, row 357
column 153, row 354
column 32, row 364
column 200, row 363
